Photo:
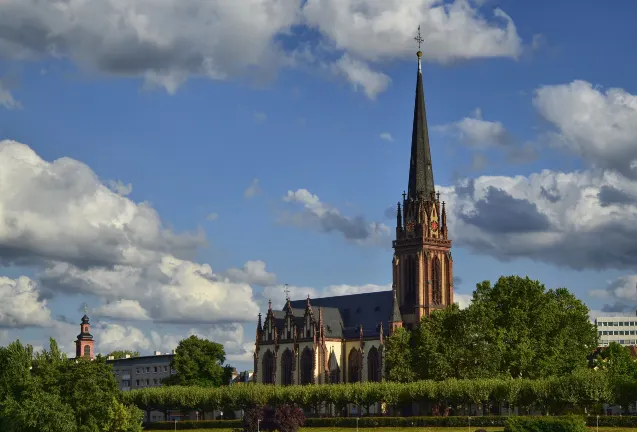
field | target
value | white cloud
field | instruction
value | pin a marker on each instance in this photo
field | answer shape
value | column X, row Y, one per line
column 253, row 273
column 477, row 132
column 122, row 309
column 619, row 296
column 381, row 29
column 386, row 136
column 360, row 75
column 463, row 300
column 60, row 211
column 212, row 217
column 119, row 187
column 6, row 98
column 600, row 126
column 583, row 219
column 253, row 190
column 21, row 305
column 171, row 290
column 170, row 41
column 323, row 217
column 113, row 337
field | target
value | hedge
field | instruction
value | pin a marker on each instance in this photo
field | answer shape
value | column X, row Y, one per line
column 584, row 389
column 350, row 422
column 545, row 424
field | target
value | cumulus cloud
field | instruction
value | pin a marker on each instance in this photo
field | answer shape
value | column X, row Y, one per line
column 21, row 305
column 361, row 76
column 253, row 273
column 318, row 215
column 60, row 211
column 253, row 190
column 168, row 42
column 113, row 337
column 122, row 309
column 89, row 239
column 619, row 296
column 552, row 217
column 477, row 132
column 598, row 125
column 171, row 290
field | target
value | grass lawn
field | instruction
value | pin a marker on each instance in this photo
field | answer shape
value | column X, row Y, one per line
column 407, row 429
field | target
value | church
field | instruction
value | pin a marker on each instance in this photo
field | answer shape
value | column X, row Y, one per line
column 341, row 339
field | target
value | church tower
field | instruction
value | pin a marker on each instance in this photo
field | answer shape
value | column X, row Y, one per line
column 422, row 263
column 84, row 344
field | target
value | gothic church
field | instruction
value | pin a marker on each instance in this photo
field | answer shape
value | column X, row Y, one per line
column 341, row 339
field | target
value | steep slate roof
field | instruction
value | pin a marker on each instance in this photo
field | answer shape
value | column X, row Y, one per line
column 344, row 314
column 421, row 176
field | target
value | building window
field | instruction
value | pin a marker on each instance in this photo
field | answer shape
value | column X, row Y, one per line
column 137, row 382
column 335, row 371
column 148, row 369
column 436, row 281
column 147, row 382
column 155, row 381
column 354, row 366
column 155, row 369
column 138, row 370
column 373, row 365
column 268, row 368
column 86, row 329
column 286, row 367
column 165, row 368
column 307, row 366
column 87, row 350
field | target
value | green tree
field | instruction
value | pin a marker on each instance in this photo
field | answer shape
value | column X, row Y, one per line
column 120, row 354
column 123, row 418
column 538, row 333
column 15, row 376
column 48, row 366
column 616, row 360
column 89, row 387
column 398, row 357
column 199, row 362
column 37, row 411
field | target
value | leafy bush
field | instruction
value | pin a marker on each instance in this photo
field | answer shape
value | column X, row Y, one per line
column 613, row 421
column 195, row 424
column 289, row 418
column 546, row 424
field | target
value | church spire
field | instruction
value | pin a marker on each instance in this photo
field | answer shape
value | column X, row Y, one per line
column 421, row 177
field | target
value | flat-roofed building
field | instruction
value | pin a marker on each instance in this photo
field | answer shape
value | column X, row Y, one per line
column 622, row 330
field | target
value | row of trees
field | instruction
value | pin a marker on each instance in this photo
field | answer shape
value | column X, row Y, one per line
column 46, row 391
column 584, row 388
column 514, row 328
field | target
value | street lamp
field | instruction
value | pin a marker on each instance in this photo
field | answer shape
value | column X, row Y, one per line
column 357, row 418
column 469, row 423
column 598, row 423
column 175, row 423
column 221, row 413
column 258, row 422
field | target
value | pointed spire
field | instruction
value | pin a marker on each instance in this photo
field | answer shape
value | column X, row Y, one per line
column 399, row 218
column 395, row 317
column 421, row 178
column 259, row 325
column 269, row 304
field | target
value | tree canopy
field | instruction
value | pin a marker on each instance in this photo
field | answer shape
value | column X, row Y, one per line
column 46, row 392
column 514, row 328
column 199, row 362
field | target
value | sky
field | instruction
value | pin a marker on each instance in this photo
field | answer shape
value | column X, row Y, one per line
column 170, row 166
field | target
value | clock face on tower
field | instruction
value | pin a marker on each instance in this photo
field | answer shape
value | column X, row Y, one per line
column 410, row 226
column 434, row 225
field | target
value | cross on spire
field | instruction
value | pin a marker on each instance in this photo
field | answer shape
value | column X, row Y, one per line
column 287, row 292
column 419, row 38
column 85, row 309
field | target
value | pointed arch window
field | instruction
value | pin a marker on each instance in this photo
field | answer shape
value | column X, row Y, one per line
column 87, row 350
column 286, row 367
column 268, row 367
column 354, row 363
column 335, row 371
column 307, row 366
column 373, row 365
column 412, row 280
column 448, row 277
column 436, row 281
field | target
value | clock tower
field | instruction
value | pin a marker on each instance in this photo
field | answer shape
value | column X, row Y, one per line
column 422, row 263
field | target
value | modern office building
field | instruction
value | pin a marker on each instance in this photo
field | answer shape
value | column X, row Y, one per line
column 140, row 372
column 622, row 330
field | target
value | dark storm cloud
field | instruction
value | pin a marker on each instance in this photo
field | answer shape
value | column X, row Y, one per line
column 609, row 195
column 499, row 212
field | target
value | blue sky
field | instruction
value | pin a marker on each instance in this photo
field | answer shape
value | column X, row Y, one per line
column 212, row 125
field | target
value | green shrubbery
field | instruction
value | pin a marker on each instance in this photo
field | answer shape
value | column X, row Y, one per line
column 545, row 424
column 584, row 389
